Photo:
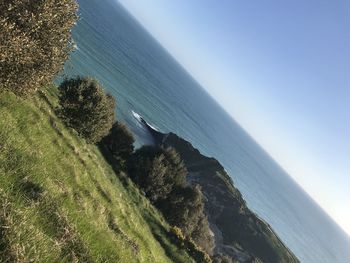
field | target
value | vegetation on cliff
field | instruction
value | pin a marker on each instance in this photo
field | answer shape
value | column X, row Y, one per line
column 156, row 171
column 239, row 233
column 161, row 174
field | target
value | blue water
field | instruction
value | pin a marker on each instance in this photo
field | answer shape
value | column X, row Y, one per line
column 144, row 78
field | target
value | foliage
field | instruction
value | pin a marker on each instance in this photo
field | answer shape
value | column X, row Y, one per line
column 85, row 107
column 60, row 201
column 161, row 174
column 242, row 229
column 196, row 252
column 119, row 141
column 156, row 171
column 35, row 42
column 184, row 208
column 202, row 234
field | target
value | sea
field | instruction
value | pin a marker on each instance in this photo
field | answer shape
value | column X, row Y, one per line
column 147, row 81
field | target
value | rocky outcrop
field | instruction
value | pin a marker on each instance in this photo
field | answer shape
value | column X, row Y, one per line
column 239, row 232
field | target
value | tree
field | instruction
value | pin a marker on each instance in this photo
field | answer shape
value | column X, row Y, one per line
column 156, row 171
column 184, row 208
column 119, row 141
column 161, row 174
column 85, row 107
column 202, row 234
column 35, row 42
column 196, row 252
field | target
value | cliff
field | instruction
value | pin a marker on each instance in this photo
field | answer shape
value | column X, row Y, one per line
column 238, row 231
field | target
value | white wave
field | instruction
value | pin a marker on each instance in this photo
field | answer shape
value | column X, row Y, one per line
column 140, row 119
column 137, row 116
column 154, row 128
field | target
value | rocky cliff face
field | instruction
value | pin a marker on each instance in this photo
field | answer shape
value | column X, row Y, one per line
column 239, row 232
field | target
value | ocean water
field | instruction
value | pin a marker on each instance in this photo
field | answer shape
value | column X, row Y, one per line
column 146, row 80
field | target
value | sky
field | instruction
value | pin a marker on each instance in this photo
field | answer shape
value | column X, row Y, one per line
column 281, row 69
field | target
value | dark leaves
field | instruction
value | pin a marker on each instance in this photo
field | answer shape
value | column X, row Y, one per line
column 85, row 107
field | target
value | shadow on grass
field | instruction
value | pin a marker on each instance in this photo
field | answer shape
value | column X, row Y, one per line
column 32, row 191
column 108, row 156
column 6, row 252
column 103, row 193
column 44, row 97
column 115, row 164
column 112, row 224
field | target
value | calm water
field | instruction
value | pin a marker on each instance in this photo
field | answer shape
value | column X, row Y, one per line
column 145, row 79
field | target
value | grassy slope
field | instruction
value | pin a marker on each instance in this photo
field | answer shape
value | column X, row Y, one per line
column 60, row 200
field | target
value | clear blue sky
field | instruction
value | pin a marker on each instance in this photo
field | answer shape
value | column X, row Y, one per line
column 281, row 69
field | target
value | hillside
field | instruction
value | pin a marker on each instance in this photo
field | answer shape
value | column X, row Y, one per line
column 238, row 231
column 62, row 202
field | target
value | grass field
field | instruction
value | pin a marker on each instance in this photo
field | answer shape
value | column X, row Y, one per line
column 62, row 202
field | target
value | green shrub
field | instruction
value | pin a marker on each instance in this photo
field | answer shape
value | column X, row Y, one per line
column 119, row 141
column 35, row 42
column 161, row 174
column 202, row 234
column 184, row 242
column 177, row 232
column 85, row 107
column 184, row 208
column 156, row 171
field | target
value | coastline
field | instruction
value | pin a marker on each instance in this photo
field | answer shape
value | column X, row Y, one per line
column 238, row 231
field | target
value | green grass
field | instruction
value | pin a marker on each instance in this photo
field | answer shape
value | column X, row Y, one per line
column 60, row 201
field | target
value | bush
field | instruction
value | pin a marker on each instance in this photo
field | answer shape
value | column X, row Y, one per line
column 35, row 42
column 184, row 208
column 184, row 242
column 161, row 174
column 202, row 234
column 119, row 141
column 156, row 171
column 85, row 107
